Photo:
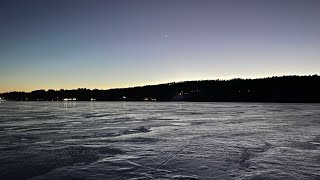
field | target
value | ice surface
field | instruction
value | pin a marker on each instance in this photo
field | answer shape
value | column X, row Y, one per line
column 157, row 140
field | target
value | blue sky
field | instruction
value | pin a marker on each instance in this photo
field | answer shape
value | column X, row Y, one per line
column 106, row 44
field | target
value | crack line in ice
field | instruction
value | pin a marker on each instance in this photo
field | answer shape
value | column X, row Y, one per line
column 172, row 157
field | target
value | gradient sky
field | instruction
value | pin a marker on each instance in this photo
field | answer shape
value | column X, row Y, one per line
column 106, row 44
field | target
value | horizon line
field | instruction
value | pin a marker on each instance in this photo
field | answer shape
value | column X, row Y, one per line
column 226, row 79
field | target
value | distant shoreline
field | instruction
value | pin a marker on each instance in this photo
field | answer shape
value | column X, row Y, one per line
column 253, row 102
column 284, row 89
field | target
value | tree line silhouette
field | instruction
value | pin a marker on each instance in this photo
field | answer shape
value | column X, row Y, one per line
column 272, row 89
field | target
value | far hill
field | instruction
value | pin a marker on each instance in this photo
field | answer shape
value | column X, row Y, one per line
column 272, row 89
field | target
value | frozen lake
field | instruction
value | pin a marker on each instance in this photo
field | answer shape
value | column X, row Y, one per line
column 157, row 140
